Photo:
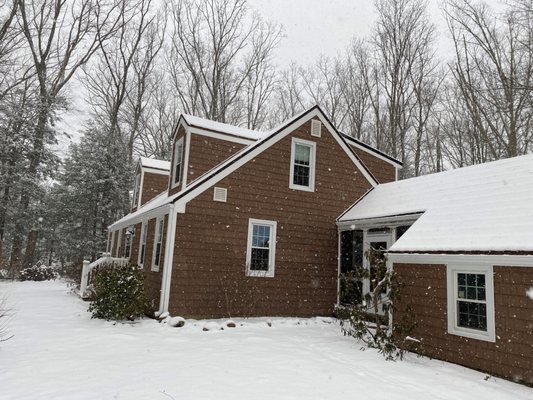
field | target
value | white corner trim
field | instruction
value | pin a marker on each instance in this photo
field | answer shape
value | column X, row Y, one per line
column 164, row 299
column 497, row 260
column 451, row 276
column 272, row 248
column 312, row 165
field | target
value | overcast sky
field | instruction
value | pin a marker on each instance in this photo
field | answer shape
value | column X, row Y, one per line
column 313, row 27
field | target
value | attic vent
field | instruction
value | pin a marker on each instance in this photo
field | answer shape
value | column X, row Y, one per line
column 315, row 128
column 220, row 194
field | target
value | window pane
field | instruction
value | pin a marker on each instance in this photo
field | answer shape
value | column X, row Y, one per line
column 461, row 279
column 259, row 260
column 301, row 175
column 157, row 253
column 472, row 315
column 261, row 236
column 302, row 154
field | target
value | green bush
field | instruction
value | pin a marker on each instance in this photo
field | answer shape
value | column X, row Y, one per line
column 118, row 293
column 37, row 273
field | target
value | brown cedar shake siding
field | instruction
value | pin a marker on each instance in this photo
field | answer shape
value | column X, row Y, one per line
column 383, row 171
column 205, row 153
column 511, row 356
column 208, row 276
column 153, row 184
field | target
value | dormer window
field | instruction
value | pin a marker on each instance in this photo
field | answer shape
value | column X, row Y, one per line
column 136, row 190
column 178, row 156
column 303, row 156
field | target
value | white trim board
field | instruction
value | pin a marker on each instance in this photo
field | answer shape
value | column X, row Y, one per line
column 351, row 142
column 221, row 136
column 445, row 259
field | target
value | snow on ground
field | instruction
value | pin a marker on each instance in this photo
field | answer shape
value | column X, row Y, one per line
column 58, row 352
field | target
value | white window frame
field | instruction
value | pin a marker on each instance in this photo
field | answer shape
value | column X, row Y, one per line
column 312, row 165
column 174, row 163
column 142, row 242
column 452, row 288
column 136, row 191
column 158, row 238
column 272, row 248
column 130, row 234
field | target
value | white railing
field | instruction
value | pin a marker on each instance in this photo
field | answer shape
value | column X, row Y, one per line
column 88, row 267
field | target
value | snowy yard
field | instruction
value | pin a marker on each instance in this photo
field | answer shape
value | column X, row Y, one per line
column 58, row 352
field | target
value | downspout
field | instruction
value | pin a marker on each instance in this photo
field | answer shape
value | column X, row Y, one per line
column 167, row 264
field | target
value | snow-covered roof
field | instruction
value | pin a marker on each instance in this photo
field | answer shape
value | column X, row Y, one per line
column 156, row 164
column 203, row 123
column 486, row 207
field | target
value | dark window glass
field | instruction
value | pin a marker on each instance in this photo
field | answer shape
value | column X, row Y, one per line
column 471, row 306
column 260, row 257
column 401, row 230
column 375, row 276
column 302, row 165
column 351, row 288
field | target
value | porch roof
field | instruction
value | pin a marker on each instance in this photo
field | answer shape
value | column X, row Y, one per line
column 486, row 207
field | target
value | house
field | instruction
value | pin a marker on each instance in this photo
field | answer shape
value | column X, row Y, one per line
column 245, row 221
column 248, row 223
column 461, row 243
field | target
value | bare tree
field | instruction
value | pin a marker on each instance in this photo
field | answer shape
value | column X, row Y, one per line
column 218, row 55
column 61, row 36
column 493, row 69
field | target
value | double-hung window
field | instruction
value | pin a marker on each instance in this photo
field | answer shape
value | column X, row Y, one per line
column 471, row 302
column 303, row 155
column 261, row 251
column 119, row 243
column 142, row 244
column 158, row 244
column 178, row 158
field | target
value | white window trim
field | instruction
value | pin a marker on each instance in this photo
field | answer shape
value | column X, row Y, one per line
column 154, row 267
column 174, row 160
column 271, row 253
column 143, row 236
column 312, row 165
column 453, row 328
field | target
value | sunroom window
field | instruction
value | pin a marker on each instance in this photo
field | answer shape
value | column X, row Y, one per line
column 303, row 165
column 142, row 243
column 260, row 255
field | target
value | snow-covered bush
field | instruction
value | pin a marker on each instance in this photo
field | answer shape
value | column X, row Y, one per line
column 38, row 273
column 118, row 293
column 367, row 317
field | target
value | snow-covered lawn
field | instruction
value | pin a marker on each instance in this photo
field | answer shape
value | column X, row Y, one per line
column 58, row 352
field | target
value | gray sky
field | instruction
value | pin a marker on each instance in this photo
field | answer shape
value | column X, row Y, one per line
column 314, row 27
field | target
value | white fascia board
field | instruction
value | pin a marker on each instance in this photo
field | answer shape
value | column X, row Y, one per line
column 373, row 153
column 156, row 171
column 268, row 143
column 151, row 214
column 381, row 222
column 221, row 136
column 462, row 259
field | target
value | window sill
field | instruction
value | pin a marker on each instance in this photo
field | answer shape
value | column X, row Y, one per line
column 302, row 188
column 260, row 274
column 473, row 334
